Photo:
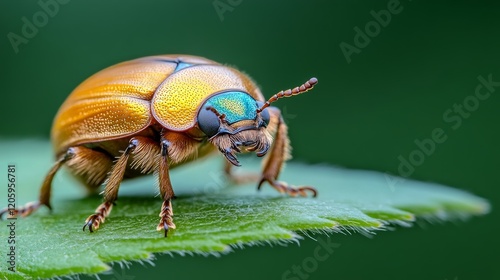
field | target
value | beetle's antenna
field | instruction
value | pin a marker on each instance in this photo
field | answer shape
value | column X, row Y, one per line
column 222, row 117
column 289, row 92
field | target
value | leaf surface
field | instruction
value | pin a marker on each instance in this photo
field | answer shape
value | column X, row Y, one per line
column 211, row 216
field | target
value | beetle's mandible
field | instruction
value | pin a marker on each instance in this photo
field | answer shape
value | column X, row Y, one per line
column 157, row 112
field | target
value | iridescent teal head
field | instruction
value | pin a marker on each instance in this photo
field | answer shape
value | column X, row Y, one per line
column 232, row 120
column 236, row 109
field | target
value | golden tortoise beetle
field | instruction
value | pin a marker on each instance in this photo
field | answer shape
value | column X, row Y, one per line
column 157, row 112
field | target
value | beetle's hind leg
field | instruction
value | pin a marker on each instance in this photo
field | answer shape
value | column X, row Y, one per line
column 91, row 166
column 280, row 152
column 45, row 190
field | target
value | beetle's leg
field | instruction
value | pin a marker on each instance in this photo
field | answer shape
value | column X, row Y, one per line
column 45, row 190
column 111, row 189
column 174, row 148
column 90, row 166
column 279, row 153
column 166, row 190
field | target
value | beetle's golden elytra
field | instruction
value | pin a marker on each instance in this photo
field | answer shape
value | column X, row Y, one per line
column 156, row 112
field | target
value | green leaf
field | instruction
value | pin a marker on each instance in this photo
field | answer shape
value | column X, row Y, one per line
column 211, row 216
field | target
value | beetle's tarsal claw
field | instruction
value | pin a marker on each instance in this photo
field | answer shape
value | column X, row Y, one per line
column 166, row 217
column 88, row 224
column 292, row 191
column 22, row 212
column 94, row 221
column 165, row 227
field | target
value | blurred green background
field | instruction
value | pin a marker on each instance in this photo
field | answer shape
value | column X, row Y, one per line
column 363, row 114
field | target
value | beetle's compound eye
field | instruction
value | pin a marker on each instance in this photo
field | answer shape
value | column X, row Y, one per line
column 266, row 117
column 208, row 122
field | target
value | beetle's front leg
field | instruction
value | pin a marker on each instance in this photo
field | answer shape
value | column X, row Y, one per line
column 166, row 190
column 175, row 148
column 280, row 152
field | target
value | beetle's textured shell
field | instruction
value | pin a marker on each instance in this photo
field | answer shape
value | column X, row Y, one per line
column 123, row 99
column 177, row 100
